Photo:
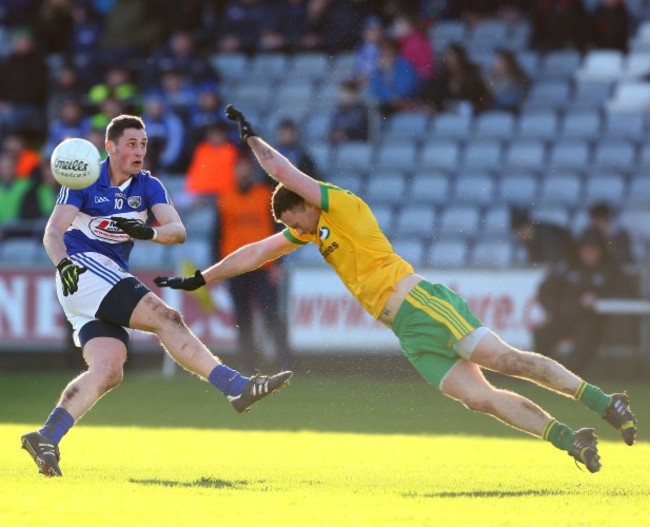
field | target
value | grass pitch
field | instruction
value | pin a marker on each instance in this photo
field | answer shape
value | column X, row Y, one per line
column 324, row 453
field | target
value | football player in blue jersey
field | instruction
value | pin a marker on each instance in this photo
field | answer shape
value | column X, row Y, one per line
column 89, row 237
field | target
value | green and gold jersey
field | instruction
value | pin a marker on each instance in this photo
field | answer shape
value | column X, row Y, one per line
column 351, row 241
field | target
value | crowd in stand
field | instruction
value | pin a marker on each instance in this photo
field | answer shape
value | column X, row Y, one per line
column 69, row 66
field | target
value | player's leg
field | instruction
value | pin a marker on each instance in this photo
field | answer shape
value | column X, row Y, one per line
column 153, row 315
column 493, row 353
column 105, row 356
column 465, row 383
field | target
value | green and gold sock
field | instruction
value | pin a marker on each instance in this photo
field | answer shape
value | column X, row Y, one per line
column 558, row 434
column 593, row 398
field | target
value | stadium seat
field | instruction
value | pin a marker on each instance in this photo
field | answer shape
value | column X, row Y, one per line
column 561, row 189
column 518, row 35
column 569, row 154
column 349, row 180
column 639, row 190
column 451, row 125
column 384, row 216
column 450, row 253
column 341, row 68
column 445, row 32
column 496, row 221
column 560, row 64
column 294, row 93
column 529, row 60
column 411, row 249
column 481, row 153
column 554, row 214
column 429, row 187
column 636, row 66
column 149, row 256
column 637, row 221
column 439, row 153
column 354, row 154
column 517, row 189
column 615, row 153
column 489, row 34
column 405, row 125
column 644, row 156
column 255, row 96
column 580, row 125
column 267, row 66
column 230, row 65
column 475, row 187
column 591, row 94
column 326, row 96
column 601, row 64
column 549, row 94
column 397, row 156
column 323, row 155
column 525, row 153
column 317, row 126
column 627, row 126
column 497, row 125
column 460, row 220
column 630, row 97
column 537, row 125
column 312, row 66
column 605, row 188
column 491, row 253
column 385, row 187
column 415, row 220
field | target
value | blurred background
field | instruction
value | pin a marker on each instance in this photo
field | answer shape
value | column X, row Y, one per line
column 502, row 145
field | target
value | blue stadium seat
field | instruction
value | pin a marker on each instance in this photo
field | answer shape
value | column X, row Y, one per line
column 517, row 189
column 451, row 125
column 230, row 65
column 341, row 67
column 609, row 188
column 561, row 188
column 537, row 125
column 411, row 249
column 475, row 187
column 560, row 64
column 450, row 253
column 253, row 96
column 349, row 180
column 415, row 220
column 460, row 220
column 149, row 256
column 405, row 125
column 492, row 253
column 580, row 125
column 384, row 215
column 591, row 94
column 439, row 153
column 354, row 154
column 482, row 153
column 525, row 153
column 625, row 126
column 615, row 153
column 323, row 155
column 268, row 66
column 569, row 154
column 445, row 32
column 601, row 64
column 385, row 187
column 639, row 190
column 317, row 126
column 429, row 187
column 313, row 66
column 496, row 221
column 397, row 156
column 554, row 214
column 549, row 94
column 497, row 125
column 529, row 60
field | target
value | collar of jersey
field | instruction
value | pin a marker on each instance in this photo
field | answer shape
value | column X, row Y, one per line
column 104, row 180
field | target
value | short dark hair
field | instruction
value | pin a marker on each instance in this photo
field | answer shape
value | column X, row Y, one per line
column 118, row 124
column 283, row 200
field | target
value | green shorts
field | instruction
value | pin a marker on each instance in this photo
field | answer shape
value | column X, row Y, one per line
column 428, row 324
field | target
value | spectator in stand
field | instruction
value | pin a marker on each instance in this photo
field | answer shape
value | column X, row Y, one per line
column 334, row 25
column 108, row 109
column 212, row 167
column 178, row 93
column 179, row 53
column 289, row 146
column 20, row 198
column 55, row 25
column 351, row 115
column 615, row 238
column 394, row 85
column 40, row 200
column 26, row 157
column 559, row 24
column 86, row 35
column 67, row 85
column 366, row 55
column 293, row 24
column 23, row 85
column 166, row 136
column 609, row 25
column 243, row 218
column 69, row 123
column 568, row 295
column 208, row 111
column 241, row 26
column 507, row 81
column 96, row 136
column 543, row 243
column 459, row 87
column 414, row 45
column 117, row 84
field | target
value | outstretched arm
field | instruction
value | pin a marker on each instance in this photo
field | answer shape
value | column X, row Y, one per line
column 274, row 163
column 243, row 260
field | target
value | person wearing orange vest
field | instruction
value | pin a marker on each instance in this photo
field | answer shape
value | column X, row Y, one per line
column 244, row 218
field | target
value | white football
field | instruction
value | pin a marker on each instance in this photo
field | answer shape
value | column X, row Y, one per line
column 75, row 163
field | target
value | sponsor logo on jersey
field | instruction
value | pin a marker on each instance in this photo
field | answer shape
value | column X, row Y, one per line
column 134, row 201
column 326, row 251
column 106, row 230
column 323, row 233
column 102, row 199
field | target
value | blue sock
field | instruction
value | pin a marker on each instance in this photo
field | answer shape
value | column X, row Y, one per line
column 229, row 382
column 57, row 424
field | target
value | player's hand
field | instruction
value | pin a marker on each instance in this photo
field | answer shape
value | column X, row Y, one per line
column 245, row 128
column 188, row 283
column 69, row 273
column 137, row 229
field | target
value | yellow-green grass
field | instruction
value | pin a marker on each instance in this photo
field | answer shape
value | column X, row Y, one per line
column 328, row 451
column 174, row 477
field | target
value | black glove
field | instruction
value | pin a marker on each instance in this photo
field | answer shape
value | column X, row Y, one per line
column 245, row 128
column 69, row 273
column 137, row 229
column 188, row 283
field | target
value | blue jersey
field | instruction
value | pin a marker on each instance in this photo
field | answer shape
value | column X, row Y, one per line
column 92, row 229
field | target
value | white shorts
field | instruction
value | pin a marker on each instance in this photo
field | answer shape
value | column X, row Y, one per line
column 102, row 275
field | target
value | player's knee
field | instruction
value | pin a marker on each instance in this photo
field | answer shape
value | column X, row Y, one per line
column 110, row 378
column 168, row 315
